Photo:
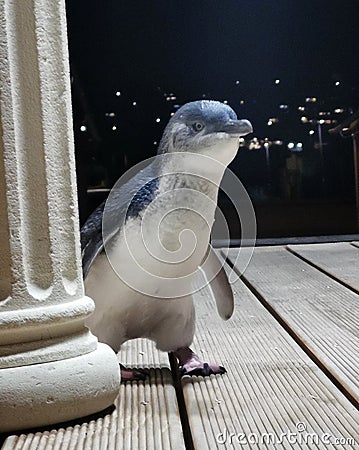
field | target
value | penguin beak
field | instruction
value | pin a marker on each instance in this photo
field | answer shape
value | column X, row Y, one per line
column 237, row 128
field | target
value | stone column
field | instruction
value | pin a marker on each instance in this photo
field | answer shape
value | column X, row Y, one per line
column 51, row 367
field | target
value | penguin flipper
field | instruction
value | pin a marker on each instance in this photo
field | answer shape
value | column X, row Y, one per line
column 123, row 201
column 91, row 238
column 215, row 274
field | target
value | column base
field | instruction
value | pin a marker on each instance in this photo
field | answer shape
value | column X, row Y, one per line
column 58, row 391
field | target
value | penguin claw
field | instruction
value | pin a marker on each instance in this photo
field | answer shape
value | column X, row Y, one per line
column 191, row 364
column 204, row 371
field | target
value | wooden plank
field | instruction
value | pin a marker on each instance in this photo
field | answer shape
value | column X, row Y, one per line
column 322, row 313
column 146, row 414
column 271, row 385
column 340, row 260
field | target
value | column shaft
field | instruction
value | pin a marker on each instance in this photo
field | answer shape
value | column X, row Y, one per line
column 42, row 301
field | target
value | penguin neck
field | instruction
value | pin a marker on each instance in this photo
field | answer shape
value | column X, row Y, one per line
column 191, row 171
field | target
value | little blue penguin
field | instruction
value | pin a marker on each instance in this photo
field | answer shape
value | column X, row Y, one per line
column 143, row 248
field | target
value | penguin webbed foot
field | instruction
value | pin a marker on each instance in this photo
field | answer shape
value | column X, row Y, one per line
column 132, row 374
column 204, row 371
column 190, row 364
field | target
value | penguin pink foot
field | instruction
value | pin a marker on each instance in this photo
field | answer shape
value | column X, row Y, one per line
column 131, row 374
column 190, row 364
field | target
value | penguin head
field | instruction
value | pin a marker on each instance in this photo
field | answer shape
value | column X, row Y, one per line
column 205, row 127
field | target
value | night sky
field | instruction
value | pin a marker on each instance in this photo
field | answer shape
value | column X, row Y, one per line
column 192, row 47
column 230, row 50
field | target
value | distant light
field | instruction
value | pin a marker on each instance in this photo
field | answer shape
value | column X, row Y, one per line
column 296, row 147
column 321, row 121
column 278, row 142
column 176, row 106
column 242, row 102
column 311, row 99
column 345, row 129
column 118, row 93
column 158, row 120
column 301, row 108
column 155, row 143
column 172, row 113
column 291, row 145
column 237, row 82
column 111, row 114
column 339, row 110
column 225, row 102
column 83, row 127
column 283, row 106
column 254, row 144
column 266, row 144
column 304, row 119
column 273, row 120
column 311, row 132
column 134, row 103
column 337, row 83
column 277, row 81
column 114, row 128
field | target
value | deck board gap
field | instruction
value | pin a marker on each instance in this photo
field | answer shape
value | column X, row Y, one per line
column 187, row 434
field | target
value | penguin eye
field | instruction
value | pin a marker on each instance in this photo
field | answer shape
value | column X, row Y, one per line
column 198, row 126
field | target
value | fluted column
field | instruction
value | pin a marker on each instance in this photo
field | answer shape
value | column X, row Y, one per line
column 51, row 367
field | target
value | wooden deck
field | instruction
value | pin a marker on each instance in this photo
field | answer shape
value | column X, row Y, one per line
column 291, row 352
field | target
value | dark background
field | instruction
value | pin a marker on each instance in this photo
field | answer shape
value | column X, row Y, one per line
column 161, row 54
